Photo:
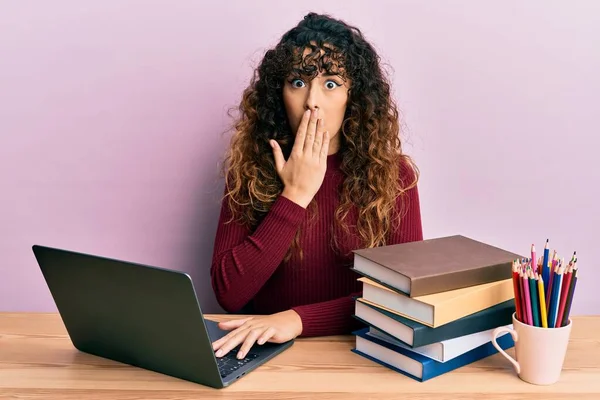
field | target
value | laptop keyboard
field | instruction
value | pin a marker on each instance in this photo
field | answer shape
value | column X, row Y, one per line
column 229, row 363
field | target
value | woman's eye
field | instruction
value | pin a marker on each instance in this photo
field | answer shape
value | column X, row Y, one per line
column 331, row 84
column 297, row 83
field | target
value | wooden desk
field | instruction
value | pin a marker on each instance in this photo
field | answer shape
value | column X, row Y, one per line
column 37, row 360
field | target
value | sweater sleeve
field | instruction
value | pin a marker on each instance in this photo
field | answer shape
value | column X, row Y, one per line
column 334, row 317
column 243, row 261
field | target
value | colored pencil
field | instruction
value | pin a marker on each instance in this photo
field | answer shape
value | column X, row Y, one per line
column 534, row 300
column 527, row 299
column 556, row 286
column 550, row 295
column 564, row 291
column 565, row 319
column 517, row 291
column 533, row 259
column 551, row 265
column 543, row 313
column 545, row 262
column 550, row 281
column 523, row 297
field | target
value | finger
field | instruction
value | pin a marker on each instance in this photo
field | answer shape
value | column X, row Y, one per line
column 268, row 334
column 249, row 341
column 234, row 323
column 316, row 149
column 325, row 146
column 310, row 132
column 301, row 133
column 219, row 342
column 278, row 155
column 232, row 342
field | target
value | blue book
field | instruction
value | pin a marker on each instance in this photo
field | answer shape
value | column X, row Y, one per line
column 417, row 366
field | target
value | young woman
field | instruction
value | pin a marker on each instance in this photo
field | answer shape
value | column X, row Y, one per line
column 314, row 171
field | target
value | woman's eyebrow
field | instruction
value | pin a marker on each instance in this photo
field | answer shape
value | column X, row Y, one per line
column 294, row 75
column 327, row 74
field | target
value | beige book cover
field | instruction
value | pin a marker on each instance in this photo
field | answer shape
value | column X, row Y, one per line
column 437, row 309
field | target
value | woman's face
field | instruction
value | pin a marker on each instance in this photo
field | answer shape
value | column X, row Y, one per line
column 328, row 93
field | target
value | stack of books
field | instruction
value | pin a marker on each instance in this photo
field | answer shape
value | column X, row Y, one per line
column 431, row 306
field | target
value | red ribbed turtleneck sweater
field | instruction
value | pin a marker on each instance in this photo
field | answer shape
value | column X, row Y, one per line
column 248, row 269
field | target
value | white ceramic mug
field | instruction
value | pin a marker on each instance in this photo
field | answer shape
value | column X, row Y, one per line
column 540, row 352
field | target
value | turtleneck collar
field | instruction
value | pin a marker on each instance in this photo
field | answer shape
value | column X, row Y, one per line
column 334, row 160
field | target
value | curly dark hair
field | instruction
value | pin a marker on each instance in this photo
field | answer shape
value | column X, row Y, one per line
column 372, row 157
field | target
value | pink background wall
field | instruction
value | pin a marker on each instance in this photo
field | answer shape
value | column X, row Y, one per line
column 111, row 116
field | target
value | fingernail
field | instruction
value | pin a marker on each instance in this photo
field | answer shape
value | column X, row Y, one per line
column 261, row 341
column 219, row 353
column 240, row 355
column 271, row 143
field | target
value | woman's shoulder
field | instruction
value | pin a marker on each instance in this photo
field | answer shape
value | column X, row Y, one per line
column 408, row 173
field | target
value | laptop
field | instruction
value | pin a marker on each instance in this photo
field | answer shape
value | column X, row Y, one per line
column 143, row 316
